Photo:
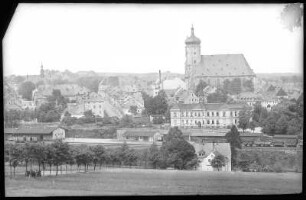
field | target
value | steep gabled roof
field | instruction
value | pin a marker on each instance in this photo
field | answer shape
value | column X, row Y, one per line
column 32, row 130
column 224, row 65
column 222, row 148
column 281, row 93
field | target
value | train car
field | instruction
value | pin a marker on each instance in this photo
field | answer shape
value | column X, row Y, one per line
column 285, row 140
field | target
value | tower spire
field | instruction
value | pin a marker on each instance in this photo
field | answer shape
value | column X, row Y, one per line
column 192, row 30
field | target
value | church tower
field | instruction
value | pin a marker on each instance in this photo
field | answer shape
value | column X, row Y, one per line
column 193, row 57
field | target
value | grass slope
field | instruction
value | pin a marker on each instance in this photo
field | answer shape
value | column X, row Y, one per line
column 155, row 182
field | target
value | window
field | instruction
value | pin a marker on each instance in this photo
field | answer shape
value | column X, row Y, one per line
column 231, row 113
column 195, row 114
column 207, row 114
column 217, row 114
column 212, row 122
column 223, row 113
column 208, row 122
column 217, row 122
column 194, row 61
column 212, row 113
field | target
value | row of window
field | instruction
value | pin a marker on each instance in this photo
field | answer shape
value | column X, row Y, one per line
column 208, row 114
column 199, row 123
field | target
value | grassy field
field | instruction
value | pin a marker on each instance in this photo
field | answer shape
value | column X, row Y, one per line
column 154, row 182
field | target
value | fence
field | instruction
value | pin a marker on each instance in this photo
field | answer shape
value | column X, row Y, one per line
column 67, row 169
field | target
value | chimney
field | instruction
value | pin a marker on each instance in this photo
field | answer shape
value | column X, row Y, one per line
column 160, row 80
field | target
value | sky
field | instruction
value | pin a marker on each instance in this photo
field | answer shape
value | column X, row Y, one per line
column 138, row 38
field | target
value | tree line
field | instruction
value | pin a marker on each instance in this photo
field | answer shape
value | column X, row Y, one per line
column 285, row 118
column 175, row 152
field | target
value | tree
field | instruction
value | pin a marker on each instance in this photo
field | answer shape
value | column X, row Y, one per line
column 133, row 110
column 160, row 103
column 153, row 155
column 218, row 97
column 199, row 88
column 233, row 137
column 292, row 16
column 218, row 161
column 26, row 89
column 269, row 124
column 91, row 82
column 281, row 125
column 60, row 154
column 252, row 125
column 174, row 132
column 176, row 152
column 98, row 152
column 244, row 118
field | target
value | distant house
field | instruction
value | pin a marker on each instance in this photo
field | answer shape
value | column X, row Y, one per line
column 34, row 134
column 208, row 151
column 141, row 135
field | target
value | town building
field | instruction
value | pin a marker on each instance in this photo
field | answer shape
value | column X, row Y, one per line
column 141, row 135
column 205, row 115
column 34, row 134
column 213, row 69
column 208, row 151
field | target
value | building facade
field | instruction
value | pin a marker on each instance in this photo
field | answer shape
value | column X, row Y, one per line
column 35, row 134
column 213, row 69
column 205, row 115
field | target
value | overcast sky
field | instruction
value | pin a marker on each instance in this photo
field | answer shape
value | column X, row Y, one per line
column 146, row 38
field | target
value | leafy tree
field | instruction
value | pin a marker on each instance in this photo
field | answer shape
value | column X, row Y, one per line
column 92, row 83
column 60, row 153
column 292, row 15
column 176, row 152
column 244, row 118
column 133, row 110
column 153, row 155
column 219, row 96
column 248, row 84
column 281, row 125
column 269, row 124
column 15, row 158
column 252, row 125
column 173, row 133
column 88, row 114
column 160, row 103
column 200, row 87
column 233, row 137
column 26, row 89
column 218, row 161
column 236, row 86
column 98, row 155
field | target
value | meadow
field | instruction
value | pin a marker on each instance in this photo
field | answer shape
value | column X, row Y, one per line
column 119, row 181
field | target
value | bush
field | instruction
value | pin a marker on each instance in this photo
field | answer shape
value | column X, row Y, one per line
column 277, row 168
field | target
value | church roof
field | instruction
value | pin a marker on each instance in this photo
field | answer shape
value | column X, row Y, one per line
column 223, row 65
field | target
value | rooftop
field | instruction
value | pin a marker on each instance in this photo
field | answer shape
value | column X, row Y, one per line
column 224, row 65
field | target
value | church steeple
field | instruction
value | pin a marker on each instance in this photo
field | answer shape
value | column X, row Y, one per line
column 192, row 30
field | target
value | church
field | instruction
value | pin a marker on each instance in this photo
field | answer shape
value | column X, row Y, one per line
column 213, row 69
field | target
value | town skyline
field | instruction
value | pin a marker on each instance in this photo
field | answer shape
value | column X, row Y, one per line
column 154, row 42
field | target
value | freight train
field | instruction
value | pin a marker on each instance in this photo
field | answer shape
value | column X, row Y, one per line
column 260, row 140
